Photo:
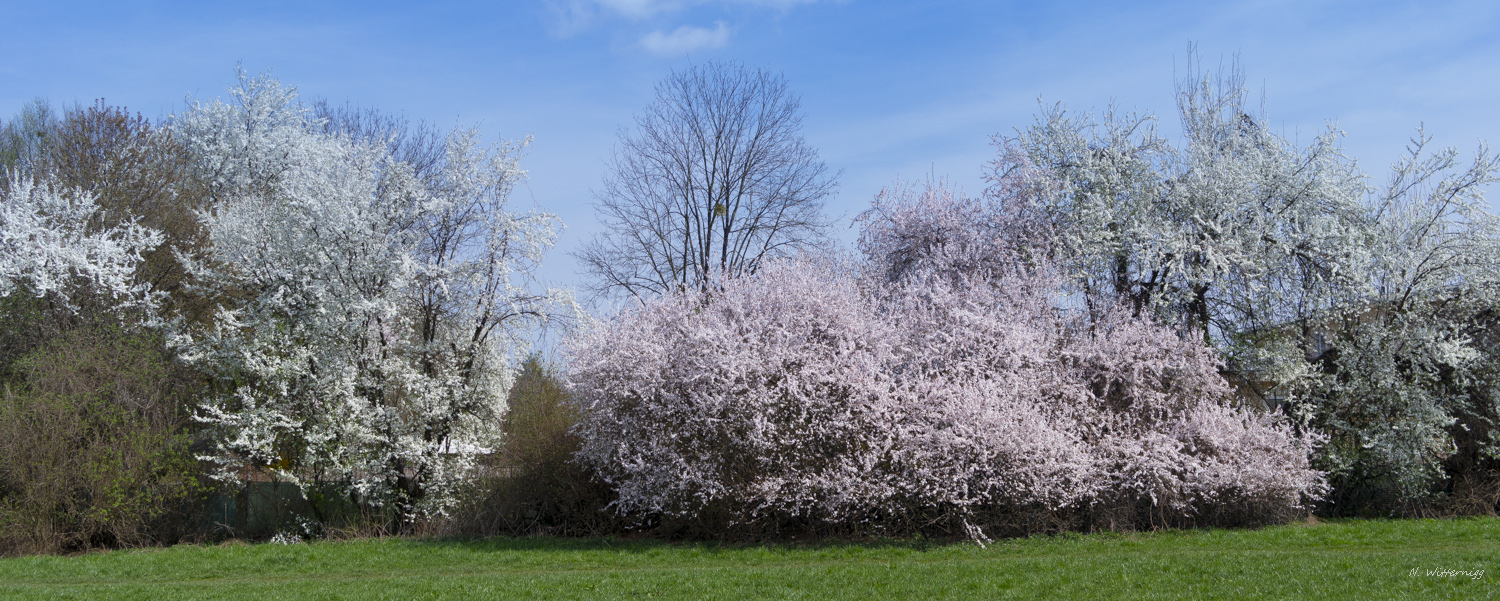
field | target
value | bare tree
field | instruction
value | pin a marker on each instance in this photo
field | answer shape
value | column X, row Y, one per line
column 419, row 145
column 715, row 180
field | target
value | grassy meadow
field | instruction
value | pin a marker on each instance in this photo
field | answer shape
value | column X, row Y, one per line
column 1397, row 559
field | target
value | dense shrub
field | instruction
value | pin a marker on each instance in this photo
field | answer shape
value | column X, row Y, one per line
column 92, row 449
column 531, row 484
column 942, row 384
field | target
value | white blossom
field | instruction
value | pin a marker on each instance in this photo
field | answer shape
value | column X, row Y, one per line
column 1353, row 307
column 48, row 246
column 367, row 323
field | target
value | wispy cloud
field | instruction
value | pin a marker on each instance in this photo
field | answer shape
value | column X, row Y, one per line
column 640, row 9
column 573, row 16
column 686, row 39
column 637, row 9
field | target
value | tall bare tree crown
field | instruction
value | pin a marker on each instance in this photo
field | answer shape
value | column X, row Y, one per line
column 715, row 179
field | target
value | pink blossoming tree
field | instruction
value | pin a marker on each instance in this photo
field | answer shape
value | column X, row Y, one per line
column 943, row 381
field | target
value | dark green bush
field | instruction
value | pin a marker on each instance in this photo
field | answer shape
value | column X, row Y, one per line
column 531, row 485
column 93, row 450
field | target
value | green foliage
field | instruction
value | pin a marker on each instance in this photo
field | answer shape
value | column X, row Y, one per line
column 22, row 329
column 92, row 446
column 532, row 484
column 538, row 419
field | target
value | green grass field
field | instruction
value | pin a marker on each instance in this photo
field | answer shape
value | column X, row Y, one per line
column 1337, row 560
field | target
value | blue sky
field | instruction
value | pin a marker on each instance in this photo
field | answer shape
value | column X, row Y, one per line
column 890, row 89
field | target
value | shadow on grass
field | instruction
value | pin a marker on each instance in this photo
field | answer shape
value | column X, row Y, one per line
column 653, row 545
column 1324, row 531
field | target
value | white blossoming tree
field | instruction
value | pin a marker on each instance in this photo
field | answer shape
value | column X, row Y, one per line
column 1358, row 309
column 49, row 249
column 1408, row 387
column 368, row 320
column 1206, row 232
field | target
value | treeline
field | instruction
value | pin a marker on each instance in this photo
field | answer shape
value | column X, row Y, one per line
column 254, row 289
column 1123, row 331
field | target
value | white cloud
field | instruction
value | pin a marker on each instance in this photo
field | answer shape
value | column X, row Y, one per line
column 574, row 16
column 686, row 39
column 638, row 9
